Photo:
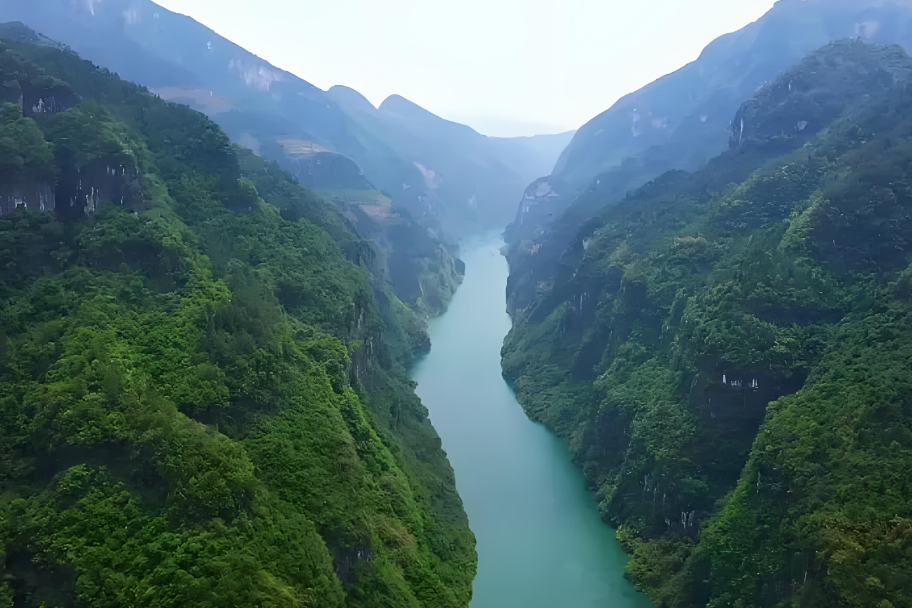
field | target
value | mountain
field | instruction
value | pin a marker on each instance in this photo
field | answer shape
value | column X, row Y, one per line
column 530, row 157
column 270, row 111
column 727, row 354
column 325, row 141
column 692, row 108
column 679, row 122
column 458, row 163
column 203, row 383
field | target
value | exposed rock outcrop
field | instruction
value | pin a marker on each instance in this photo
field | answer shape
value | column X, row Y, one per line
column 34, row 197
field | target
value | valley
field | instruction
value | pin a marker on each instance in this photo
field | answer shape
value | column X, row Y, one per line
column 268, row 344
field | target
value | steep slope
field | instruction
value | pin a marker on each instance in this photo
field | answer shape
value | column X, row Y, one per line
column 202, row 381
column 679, row 122
column 691, row 109
column 727, row 358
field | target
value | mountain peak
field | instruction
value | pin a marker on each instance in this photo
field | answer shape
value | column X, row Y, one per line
column 399, row 105
column 350, row 99
column 20, row 32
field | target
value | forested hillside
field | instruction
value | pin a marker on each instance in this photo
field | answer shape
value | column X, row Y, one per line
column 202, row 386
column 728, row 351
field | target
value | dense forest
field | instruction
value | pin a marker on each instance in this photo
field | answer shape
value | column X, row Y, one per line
column 202, row 378
column 727, row 351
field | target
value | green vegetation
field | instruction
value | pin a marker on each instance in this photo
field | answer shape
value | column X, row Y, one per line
column 202, row 386
column 728, row 352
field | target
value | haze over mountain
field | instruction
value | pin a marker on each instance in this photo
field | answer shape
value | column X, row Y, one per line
column 411, row 183
column 457, row 162
column 493, row 126
column 474, row 61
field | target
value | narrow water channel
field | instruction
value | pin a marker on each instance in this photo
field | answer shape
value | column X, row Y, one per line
column 541, row 543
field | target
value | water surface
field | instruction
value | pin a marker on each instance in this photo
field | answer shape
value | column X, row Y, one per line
column 541, row 543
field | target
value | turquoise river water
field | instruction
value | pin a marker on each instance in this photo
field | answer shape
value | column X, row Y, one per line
column 541, row 543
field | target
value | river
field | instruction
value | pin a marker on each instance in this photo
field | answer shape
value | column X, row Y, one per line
column 541, row 543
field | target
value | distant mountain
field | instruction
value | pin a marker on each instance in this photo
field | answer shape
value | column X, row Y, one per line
column 435, row 169
column 530, row 157
column 679, row 122
column 693, row 107
column 457, row 163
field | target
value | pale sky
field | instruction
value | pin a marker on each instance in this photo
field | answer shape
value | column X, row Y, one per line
column 505, row 67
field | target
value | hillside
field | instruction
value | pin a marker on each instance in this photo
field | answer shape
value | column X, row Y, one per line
column 727, row 352
column 268, row 109
column 202, row 380
column 691, row 109
column 679, row 122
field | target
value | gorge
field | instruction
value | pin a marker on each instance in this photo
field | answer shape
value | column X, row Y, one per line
column 264, row 344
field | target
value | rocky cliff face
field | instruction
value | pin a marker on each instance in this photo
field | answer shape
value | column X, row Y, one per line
column 41, row 101
column 84, row 190
column 524, row 237
column 78, row 191
column 37, row 197
column 540, row 201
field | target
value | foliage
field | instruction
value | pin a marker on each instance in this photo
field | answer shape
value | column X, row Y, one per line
column 24, row 154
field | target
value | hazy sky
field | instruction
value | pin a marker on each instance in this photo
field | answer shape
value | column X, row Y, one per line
column 506, row 67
